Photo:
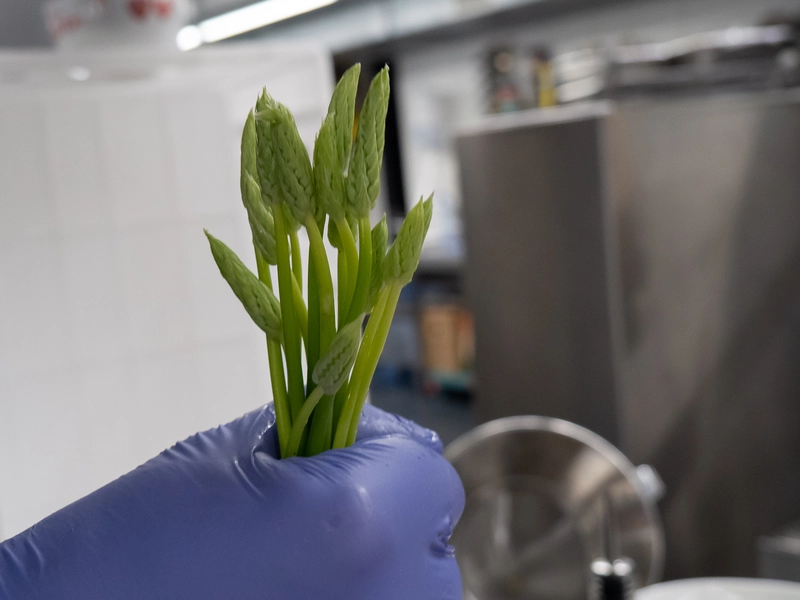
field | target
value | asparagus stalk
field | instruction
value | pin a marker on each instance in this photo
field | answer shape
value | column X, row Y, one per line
column 282, row 193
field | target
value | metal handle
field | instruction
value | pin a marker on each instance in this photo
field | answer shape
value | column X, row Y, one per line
column 611, row 581
column 653, row 486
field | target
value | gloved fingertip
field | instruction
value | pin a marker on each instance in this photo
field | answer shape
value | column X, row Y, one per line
column 265, row 433
column 378, row 423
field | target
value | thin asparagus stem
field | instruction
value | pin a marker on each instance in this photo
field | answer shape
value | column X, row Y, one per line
column 312, row 345
column 351, row 254
column 326, row 302
column 300, row 309
column 321, row 432
column 372, row 357
column 291, row 329
column 343, row 424
column 297, row 261
column 341, row 275
column 364, row 269
column 321, row 426
column 299, row 426
column 339, row 402
column 283, row 416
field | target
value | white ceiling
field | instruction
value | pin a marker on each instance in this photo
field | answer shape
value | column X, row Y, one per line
column 218, row 6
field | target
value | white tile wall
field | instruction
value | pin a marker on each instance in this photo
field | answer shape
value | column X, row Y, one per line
column 77, row 165
column 105, row 395
column 23, row 171
column 165, row 384
column 238, row 360
column 155, row 292
column 95, row 313
column 118, row 337
column 135, row 155
column 203, row 190
column 33, row 328
column 42, row 446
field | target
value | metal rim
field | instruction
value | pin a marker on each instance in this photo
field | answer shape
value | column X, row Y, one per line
column 463, row 443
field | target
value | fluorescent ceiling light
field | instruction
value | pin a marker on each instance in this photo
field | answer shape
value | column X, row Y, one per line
column 244, row 19
column 189, row 37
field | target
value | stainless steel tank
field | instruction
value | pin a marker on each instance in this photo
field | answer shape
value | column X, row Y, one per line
column 634, row 267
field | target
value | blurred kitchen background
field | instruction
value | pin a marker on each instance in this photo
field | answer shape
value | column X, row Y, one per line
column 615, row 242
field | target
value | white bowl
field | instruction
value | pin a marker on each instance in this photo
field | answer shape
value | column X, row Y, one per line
column 722, row 588
column 116, row 23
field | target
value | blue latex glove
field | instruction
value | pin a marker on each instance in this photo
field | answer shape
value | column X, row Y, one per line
column 217, row 517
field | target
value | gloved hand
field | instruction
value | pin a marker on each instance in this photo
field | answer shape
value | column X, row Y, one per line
column 218, row 517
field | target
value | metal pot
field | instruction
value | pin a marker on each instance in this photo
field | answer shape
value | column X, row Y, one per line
column 545, row 498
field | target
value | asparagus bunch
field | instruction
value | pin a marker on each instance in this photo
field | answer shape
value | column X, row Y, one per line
column 283, row 192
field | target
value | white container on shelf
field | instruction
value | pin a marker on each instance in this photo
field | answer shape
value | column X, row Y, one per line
column 80, row 24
